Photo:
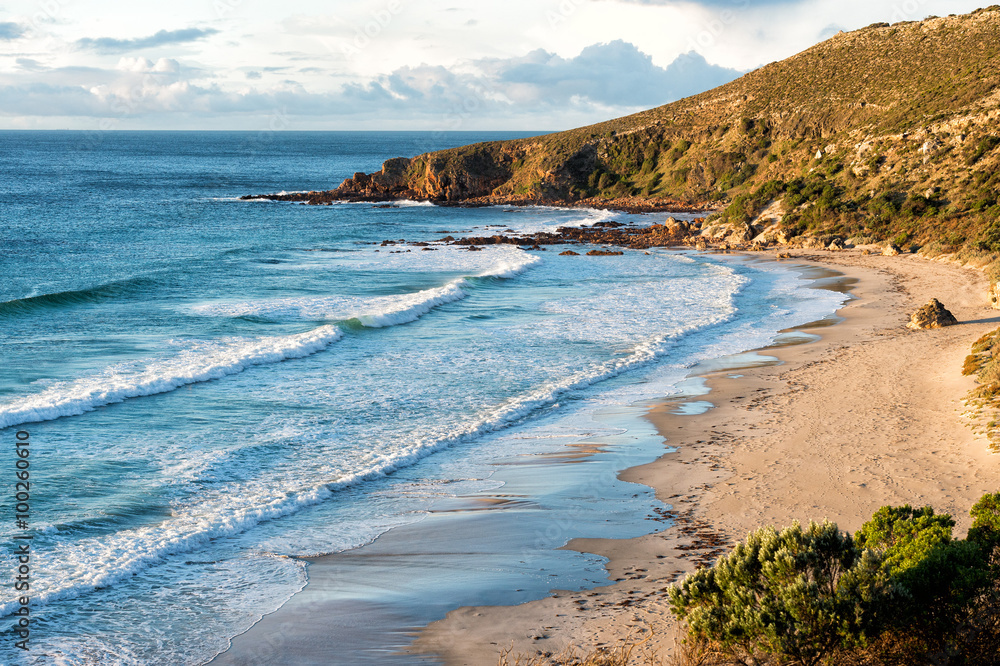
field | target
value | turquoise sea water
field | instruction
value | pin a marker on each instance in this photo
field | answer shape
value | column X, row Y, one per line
column 213, row 385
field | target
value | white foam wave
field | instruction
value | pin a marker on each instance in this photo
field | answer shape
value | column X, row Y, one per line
column 511, row 266
column 409, row 203
column 412, row 307
column 202, row 363
column 375, row 312
column 378, row 311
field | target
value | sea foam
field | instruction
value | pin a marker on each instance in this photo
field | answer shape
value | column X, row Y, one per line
column 131, row 380
column 383, row 311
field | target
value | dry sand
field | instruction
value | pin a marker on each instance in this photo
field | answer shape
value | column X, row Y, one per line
column 871, row 414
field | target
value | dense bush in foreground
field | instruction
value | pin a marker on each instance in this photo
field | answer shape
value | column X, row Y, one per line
column 902, row 590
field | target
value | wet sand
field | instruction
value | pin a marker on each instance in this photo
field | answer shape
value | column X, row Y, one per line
column 365, row 606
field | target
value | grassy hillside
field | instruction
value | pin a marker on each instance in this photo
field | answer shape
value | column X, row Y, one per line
column 888, row 133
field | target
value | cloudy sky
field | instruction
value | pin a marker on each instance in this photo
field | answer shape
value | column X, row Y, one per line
column 394, row 64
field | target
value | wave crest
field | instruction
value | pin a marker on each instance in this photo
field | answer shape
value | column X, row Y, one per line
column 121, row 382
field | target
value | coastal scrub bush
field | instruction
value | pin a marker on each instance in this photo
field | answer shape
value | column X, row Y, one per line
column 747, row 206
column 606, row 180
column 985, row 145
column 813, row 190
column 985, row 514
column 679, row 150
column 901, row 591
column 799, row 592
column 989, row 236
column 933, row 577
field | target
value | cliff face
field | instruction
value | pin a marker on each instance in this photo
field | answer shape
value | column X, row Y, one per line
column 889, row 132
column 454, row 175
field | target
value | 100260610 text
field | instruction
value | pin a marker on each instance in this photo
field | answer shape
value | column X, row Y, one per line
column 22, row 540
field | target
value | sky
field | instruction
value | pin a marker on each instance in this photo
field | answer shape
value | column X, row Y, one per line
column 438, row 65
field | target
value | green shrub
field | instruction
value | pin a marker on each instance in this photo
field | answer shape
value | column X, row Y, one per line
column 606, row 180
column 904, row 592
column 679, row 150
column 747, row 206
column 985, row 514
column 798, row 592
column 905, row 535
column 985, row 145
column 989, row 237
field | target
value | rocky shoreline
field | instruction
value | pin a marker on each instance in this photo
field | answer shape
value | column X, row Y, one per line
column 622, row 204
column 706, row 233
column 608, row 233
column 698, row 234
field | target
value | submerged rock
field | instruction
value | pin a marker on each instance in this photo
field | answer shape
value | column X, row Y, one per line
column 569, row 253
column 932, row 315
column 604, row 253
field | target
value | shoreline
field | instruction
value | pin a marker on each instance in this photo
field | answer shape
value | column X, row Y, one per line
column 364, row 605
column 382, row 618
column 769, row 451
column 621, row 205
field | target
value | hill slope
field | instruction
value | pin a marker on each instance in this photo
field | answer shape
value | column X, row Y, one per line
column 889, row 132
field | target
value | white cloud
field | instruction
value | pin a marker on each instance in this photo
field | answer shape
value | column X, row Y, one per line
column 161, row 66
column 395, row 64
column 602, row 79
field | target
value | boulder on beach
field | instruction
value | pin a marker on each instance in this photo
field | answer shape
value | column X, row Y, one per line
column 742, row 232
column 932, row 315
column 891, row 250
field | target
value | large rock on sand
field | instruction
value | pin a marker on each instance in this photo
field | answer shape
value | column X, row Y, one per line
column 932, row 315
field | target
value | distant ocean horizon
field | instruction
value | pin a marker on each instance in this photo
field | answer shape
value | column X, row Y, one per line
column 215, row 387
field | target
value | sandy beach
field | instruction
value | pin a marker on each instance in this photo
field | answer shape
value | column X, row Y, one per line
column 870, row 413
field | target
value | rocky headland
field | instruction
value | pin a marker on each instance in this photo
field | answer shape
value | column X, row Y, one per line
column 886, row 134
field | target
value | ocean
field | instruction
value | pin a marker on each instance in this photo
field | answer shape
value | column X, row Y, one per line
column 212, row 388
